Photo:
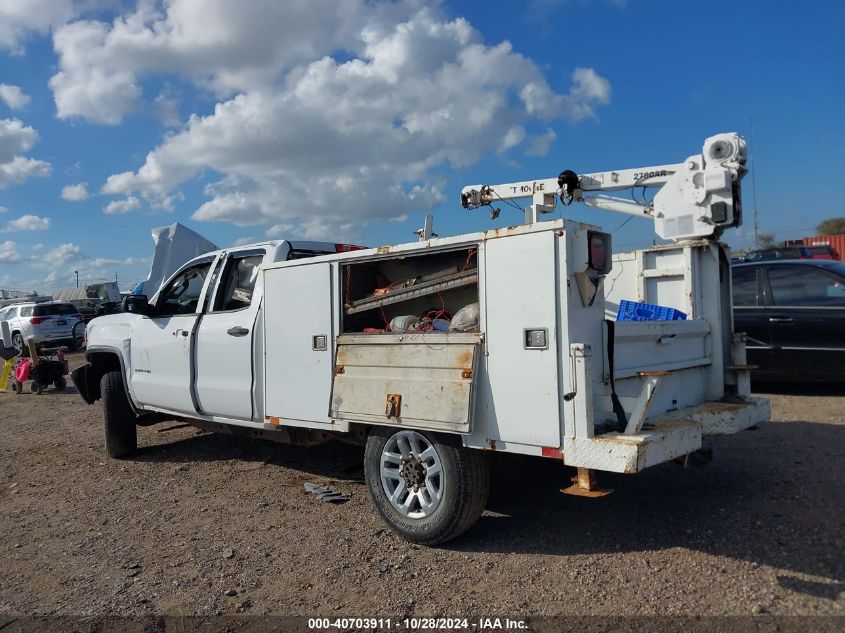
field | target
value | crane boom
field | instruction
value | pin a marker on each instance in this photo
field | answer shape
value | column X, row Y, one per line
column 698, row 198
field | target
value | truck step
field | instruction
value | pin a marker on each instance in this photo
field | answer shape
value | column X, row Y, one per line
column 665, row 437
column 659, row 441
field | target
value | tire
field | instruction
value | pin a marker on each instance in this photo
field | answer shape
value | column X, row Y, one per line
column 17, row 387
column 36, row 387
column 118, row 418
column 60, row 383
column 430, row 508
column 19, row 344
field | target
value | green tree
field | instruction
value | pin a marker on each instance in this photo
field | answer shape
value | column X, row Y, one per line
column 765, row 240
column 831, row 226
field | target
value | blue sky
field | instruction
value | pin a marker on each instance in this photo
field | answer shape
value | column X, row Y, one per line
column 351, row 125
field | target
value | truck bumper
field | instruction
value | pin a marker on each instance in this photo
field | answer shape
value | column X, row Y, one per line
column 83, row 379
column 664, row 438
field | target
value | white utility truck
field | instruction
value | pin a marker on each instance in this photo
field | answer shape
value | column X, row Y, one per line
column 435, row 353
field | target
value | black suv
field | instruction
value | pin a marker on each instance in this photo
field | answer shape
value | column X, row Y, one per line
column 794, row 314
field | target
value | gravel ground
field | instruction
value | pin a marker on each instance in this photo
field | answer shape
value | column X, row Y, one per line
column 203, row 524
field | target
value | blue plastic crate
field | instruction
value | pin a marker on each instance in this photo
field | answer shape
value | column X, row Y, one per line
column 634, row 311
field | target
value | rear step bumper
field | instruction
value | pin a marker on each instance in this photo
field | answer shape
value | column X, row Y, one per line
column 664, row 438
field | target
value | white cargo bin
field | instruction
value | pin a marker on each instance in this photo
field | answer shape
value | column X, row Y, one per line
column 422, row 381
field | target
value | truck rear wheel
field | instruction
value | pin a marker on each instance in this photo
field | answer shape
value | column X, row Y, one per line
column 119, row 419
column 426, row 486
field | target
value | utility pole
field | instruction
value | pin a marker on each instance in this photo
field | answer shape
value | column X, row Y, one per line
column 77, row 278
column 753, row 180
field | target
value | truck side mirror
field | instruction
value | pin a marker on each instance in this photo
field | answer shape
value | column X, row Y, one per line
column 137, row 304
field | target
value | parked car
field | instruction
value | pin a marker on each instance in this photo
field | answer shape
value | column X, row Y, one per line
column 87, row 307
column 793, row 312
column 49, row 322
column 820, row 251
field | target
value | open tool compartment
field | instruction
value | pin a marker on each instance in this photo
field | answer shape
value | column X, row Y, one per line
column 410, row 340
column 411, row 293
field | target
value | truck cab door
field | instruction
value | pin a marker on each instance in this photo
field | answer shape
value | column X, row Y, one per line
column 226, row 339
column 161, row 344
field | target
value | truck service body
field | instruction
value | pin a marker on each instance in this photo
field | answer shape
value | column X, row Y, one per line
column 292, row 342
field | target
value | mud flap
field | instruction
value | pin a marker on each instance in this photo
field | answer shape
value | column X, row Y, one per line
column 82, row 378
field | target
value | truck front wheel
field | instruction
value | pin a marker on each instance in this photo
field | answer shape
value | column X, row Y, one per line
column 427, row 487
column 119, row 419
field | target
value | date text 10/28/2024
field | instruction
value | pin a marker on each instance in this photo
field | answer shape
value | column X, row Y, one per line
column 479, row 624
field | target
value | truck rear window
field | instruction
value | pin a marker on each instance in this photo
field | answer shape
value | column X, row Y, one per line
column 301, row 253
column 54, row 309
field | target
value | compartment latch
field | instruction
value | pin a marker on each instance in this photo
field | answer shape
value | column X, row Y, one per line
column 393, row 406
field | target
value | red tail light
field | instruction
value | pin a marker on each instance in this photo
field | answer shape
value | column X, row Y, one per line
column 347, row 248
column 37, row 320
column 599, row 251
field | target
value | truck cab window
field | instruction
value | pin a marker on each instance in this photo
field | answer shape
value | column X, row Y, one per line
column 182, row 295
column 238, row 282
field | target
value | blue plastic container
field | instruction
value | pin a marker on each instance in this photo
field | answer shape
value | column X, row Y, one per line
column 634, row 311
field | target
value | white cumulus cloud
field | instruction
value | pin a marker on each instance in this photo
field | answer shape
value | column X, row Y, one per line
column 512, row 138
column 59, row 263
column 352, row 138
column 27, row 223
column 279, row 230
column 9, row 252
column 75, row 193
column 348, row 111
column 122, row 206
column 21, row 18
column 13, row 96
column 16, row 138
column 539, row 144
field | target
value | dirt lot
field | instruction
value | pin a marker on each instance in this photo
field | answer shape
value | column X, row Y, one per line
column 197, row 523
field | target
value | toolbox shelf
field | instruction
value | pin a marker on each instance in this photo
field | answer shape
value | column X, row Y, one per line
column 421, row 289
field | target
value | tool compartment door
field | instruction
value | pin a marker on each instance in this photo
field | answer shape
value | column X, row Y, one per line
column 422, row 381
column 298, row 339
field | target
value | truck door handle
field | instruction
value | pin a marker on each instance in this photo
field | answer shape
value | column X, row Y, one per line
column 237, row 331
column 780, row 319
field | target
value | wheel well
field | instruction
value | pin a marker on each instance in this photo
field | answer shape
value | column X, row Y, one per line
column 101, row 363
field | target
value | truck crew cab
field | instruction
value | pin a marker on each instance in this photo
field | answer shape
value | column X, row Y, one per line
column 436, row 351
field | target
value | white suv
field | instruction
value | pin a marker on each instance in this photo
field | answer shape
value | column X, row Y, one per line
column 48, row 322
